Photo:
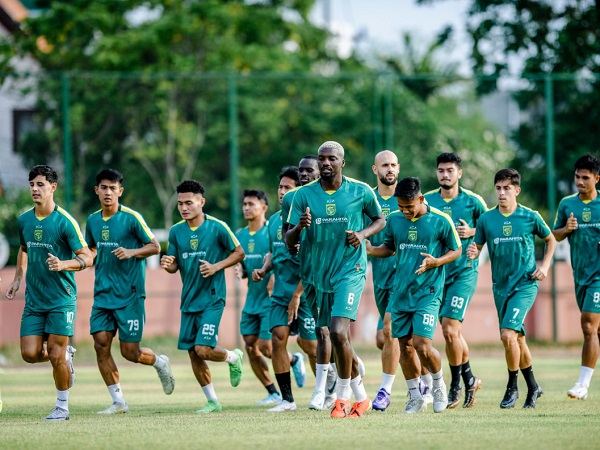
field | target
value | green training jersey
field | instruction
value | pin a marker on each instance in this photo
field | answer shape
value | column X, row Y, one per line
column 212, row 241
column 306, row 273
column 333, row 213
column 59, row 235
column 510, row 242
column 383, row 268
column 585, row 240
column 285, row 266
column 432, row 233
column 118, row 283
column 467, row 206
column 256, row 246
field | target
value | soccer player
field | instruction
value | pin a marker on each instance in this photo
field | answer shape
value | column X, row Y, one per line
column 509, row 229
column 464, row 207
column 52, row 248
column 120, row 241
column 254, row 324
column 289, row 312
column 332, row 212
column 201, row 248
column 578, row 220
column 424, row 240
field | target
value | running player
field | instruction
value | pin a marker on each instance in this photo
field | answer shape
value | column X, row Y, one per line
column 52, row 248
column 201, row 248
column 578, row 220
column 464, row 207
column 509, row 229
column 120, row 241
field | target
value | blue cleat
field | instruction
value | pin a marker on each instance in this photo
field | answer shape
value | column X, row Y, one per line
column 299, row 370
column 382, row 401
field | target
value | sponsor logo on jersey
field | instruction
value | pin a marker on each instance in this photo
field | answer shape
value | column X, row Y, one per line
column 37, row 235
column 587, row 215
column 250, row 247
column 194, row 244
column 105, row 235
column 507, row 230
column 330, row 209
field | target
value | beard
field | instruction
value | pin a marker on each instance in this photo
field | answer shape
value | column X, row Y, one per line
column 387, row 182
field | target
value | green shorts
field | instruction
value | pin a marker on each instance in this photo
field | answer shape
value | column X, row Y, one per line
column 588, row 297
column 59, row 321
column 458, row 294
column 200, row 328
column 310, row 298
column 129, row 320
column 255, row 325
column 304, row 325
column 382, row 299
column 421, row 321
column 513, row 310
column 341, row 303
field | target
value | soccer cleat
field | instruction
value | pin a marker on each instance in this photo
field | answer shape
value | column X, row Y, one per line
column 166, row 376
column 299, row 370
column 236, row 369
column 57, row 415
column 70, row 353
column 330, row 400
column 454, row 395
column 211, row 407
column 510, row 398
column 382, row 401
column 415, row 405
column 361, row 367
column 115, row 408
column 339, row 409
column 425, row 393
column 532, row 396
column 317, row 401
column 284, row 406
column 271, row 399
column 579, row 392
column 470, row 393
column 440, row 398
column 360, row 408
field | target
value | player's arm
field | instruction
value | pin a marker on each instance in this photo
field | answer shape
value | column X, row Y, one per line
column 474, row 250
column 83, row 259
column 355, row 238
column 381, row 251
column 19, row 273
column 151, row 248
column 542, row 271
column 562, row 233
column 259, row 274
column 169, row 263
column 431, row 262
column 295, row 303
column 208, row 270
column 292, row 237
column 464, row 230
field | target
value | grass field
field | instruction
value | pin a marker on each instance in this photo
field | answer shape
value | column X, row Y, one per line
column 159, row 421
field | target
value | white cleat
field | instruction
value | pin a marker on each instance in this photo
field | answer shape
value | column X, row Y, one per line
column 115, row 408
column 284, row 406
column 579, row 392
column 317, row 401
column 440, row 399
column 70, row 353
column 57, row 415
column 330, row 401
column 166, row 376
column 415, row 405
column 271, row 399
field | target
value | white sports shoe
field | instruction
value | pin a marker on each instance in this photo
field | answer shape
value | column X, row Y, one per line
column 271, row 399
column 579, row 392
column 415, row 405
column 284, row 406
column 361, row 367
column 166, row 376
column 317, row 401
column 57, row 414
column 330, row 401
column 440, row 399
column 70, row 353
column 116, row 408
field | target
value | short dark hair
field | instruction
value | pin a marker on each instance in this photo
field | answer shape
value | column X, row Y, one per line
column 589, row 162
column 290, row 172
column 258, row 194
column 508, row 174
column 315, row 157
column 45, row 171
column 448, row 157
column 408, row 188
column 193, row 186
column 110, row 175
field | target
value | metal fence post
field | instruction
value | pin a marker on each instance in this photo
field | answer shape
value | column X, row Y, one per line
column 67, row 140
column 551, row 185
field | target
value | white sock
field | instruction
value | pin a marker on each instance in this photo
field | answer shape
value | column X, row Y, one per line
column 585, row 376
column 428, row 379
column 334, row 367
column 387, row 381
column 344, row 389
column 358, row 388
column 321, row 377
column 413, row 388
column 159, row 363
column 62, row 399
column 231, row 357
column 116, row 393
column 209, row 391
column 438, row 379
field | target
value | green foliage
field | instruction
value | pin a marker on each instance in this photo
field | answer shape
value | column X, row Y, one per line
column 12, row 205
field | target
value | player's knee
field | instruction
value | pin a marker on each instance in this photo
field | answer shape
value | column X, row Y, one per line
column 265, row 348
column 203, row 352
column 338, row 337
column 131, row 354
column 29, row 356
column 379, row 341
column 508, row 337
column 101, row 348
column 589, row 329
column 322, row 334
column 451, row 334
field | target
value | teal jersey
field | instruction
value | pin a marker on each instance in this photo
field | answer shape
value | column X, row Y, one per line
column 256, row 246
column 333, row 259
column 467, row 206
column 118, row 283
column 432, row 233
column 285, row 266
column 383, row 268
column 510, row 242
column 59, row 235
column 584, row 241
column 212, row 241
column 304, row 253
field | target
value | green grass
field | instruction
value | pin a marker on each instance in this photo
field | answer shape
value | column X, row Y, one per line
column 159, row 421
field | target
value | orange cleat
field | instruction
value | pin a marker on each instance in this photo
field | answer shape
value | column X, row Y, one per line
column 360, row 408
column 339, row 409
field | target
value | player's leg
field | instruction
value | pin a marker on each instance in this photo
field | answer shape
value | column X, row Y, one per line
column 307, row 337
column 259, row 365
column 281, row 360
column 324, row 394
column 265, row 346
column 203, row 376
column 33, row 324
column 57, row 348
column 409, row 362
column 390, row 358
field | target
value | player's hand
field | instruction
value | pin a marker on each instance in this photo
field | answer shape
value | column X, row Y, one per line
column 472, row 251
column 571, row 224
column 54, row 264
column 354, row 238
column 239, row 271
column 12, row 290
column 293, row 309
column 464, row 230
column 368, row 246
column 294, row 250
column 428, row 263
column 167, row 261
column 258, row 274
column 207, row 269
column 305, row 219
column 539, row 274
column 123, row 253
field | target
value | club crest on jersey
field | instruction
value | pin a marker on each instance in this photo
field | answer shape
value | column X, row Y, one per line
column 330, row 209
column 386, row 212
column 105, row 235
column 251, row 247
column 586, row 216
column 412, row 235
column 507, row 230
column 194, row 244
column 448, row 211
column 37, row 235
column 279, row 234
